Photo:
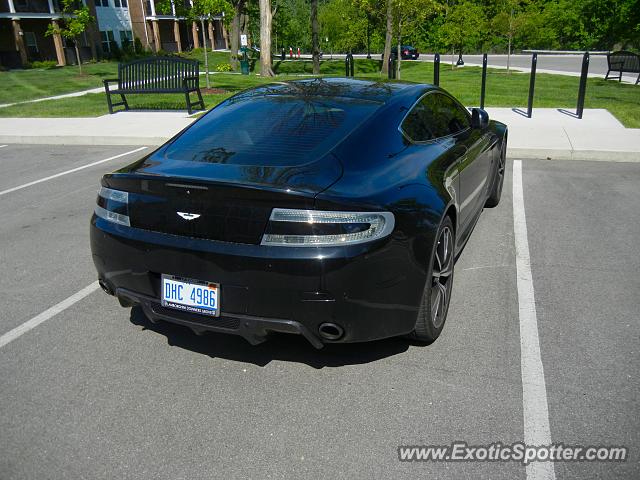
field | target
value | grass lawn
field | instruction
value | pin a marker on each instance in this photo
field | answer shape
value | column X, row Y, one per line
column 512, row 90
column 19, row 85
column 503, row 90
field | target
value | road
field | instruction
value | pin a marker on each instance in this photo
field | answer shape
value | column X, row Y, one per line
column 560, row 63
column 97, row 391
column 565, row 64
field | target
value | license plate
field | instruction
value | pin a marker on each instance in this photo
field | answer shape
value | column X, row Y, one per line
column 188, row 295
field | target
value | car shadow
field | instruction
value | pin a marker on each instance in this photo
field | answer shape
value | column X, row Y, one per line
column 289, row 348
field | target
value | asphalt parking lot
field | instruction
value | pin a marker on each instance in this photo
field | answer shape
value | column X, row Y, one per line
column 97, row 391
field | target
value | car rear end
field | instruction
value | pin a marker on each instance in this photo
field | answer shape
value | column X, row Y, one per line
column 409, row 52
column 221, row 232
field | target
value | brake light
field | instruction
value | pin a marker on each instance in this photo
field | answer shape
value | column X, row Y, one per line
column 113, row 205
column 315, row 228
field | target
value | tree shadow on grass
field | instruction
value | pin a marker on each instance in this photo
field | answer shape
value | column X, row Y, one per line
column 289, row 348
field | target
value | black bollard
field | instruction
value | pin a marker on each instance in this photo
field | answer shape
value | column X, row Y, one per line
column 392, row 67
column 283, row 55
column 532, row 83
column 352, row 64
column 436, row 69
column 582, row 88
column 484, row 80
column 348, row 65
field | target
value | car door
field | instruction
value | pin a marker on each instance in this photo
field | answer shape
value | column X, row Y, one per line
column 474, row 165
column 430, row 123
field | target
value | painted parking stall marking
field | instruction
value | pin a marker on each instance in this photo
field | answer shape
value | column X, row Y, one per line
column 73, row 170
column 534, row 391
column 47, row 314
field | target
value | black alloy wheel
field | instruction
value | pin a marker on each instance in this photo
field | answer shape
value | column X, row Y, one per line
column 437, row 293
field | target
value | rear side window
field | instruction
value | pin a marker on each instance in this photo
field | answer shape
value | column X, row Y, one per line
column 272, row 130
column 434, row 116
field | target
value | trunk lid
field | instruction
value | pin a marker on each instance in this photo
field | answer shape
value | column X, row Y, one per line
column 217, row 201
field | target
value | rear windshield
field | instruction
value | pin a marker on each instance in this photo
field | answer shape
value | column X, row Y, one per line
column 271, row 130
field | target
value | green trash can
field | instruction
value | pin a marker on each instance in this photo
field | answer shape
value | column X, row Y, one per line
column 244, row 61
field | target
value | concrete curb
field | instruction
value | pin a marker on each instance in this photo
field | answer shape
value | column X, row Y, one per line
column 82, row 140
column 585, row 155
column 513, row 152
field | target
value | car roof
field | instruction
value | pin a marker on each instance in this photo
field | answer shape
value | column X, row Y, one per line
column 370, row 90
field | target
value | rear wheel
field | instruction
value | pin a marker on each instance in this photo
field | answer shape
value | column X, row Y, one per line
column 498, row 180
column 437, row 290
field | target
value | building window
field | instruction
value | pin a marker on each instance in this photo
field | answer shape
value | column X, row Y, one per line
column 102, row 3
column 31, row 43
column 108, row 40
column 116, row 3
column 126, row 37
column 120, row 3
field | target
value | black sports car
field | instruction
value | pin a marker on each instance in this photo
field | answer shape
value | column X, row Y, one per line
column 407, row 52
column 330, row 208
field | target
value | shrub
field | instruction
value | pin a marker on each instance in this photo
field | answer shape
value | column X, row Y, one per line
column 223, row 67
column 44, row 64
column 40, row 64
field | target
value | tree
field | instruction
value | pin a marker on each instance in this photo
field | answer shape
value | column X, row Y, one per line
column 410, row 15
column 238, row 9
column 507, row 23
column 465, row 26
column 74, row 23
column 388, row 38
column 315, row 41
column 266, row 17
column 203, row 10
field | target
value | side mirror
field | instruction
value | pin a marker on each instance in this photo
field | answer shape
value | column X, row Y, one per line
column 479, row 118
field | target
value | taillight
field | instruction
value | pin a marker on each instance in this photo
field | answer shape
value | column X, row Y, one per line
column 113, row 205
column 315, row 228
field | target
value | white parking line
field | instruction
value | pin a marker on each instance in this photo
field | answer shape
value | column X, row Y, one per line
column 2, row 146
column 47, row 314
column 534, row 391
column 67, row 172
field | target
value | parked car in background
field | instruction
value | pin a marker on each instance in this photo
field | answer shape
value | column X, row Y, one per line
column 407, row 52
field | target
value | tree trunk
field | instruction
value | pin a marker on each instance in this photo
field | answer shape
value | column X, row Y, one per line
column 315, row 37
column 235, row 33
column 509, row 56
column 265, row 38
column 75, row 43
column 399, row 57
column 206, row 58
column 387, row 39
column 510, row 36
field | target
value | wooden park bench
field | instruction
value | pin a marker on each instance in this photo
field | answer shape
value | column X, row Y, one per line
column 156, row 75
column 623, row 62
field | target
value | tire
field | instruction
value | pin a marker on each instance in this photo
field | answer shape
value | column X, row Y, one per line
column 498, row 178
column 437, row 290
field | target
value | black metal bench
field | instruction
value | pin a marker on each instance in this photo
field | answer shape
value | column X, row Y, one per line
column 623, row 62
column 156, row 75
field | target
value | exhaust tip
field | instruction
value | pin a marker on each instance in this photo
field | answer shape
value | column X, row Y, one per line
column 105, row 287
column 330, row 331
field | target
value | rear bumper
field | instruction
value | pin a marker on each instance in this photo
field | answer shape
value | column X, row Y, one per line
column 371, row 291
column 253, row 329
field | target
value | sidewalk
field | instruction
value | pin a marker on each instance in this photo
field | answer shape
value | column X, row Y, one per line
column 549, row 134
column 559, row 136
